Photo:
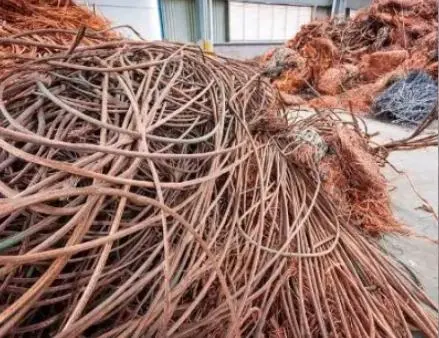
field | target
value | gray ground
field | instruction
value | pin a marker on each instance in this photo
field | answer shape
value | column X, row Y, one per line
column 418, row 254
column 421, row 165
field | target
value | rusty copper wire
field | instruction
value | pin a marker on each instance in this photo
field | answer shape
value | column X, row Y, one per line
column 142, row 197
column 37, row 23
column 333, row 63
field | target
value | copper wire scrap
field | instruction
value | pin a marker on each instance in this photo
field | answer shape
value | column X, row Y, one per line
column 333, row 63
column 39, row 24
column 141, row 196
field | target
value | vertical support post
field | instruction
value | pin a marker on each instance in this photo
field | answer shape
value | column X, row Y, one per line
column 208, row 45
column 162, row 19
column 227, row 23
column 342, row 9
column 334, row 4
column 205, row 21
column 201, row 15
column 338, row 9
column 211, row 20
column 314, row 12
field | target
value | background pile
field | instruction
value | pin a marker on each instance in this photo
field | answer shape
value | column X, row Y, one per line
column 335, row 64
column 41, row 25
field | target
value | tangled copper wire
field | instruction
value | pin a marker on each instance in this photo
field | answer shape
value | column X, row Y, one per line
column 333, row 63
column 36, row 23
column 142, row 197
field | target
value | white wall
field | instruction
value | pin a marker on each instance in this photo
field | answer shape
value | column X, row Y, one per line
column 244, row 50
column 142, row 15
column 352, row 12
column 261, row 22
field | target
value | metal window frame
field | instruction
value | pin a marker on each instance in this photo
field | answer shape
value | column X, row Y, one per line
column 307, row 3
column 296, row 3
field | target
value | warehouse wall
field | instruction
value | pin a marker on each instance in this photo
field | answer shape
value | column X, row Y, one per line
column 352, row 12
column 356, row 4
column 322, row 12
column 244, row 51
column 294, row 2
column 253, row 22
column 142, row 15
column 180, row 21
column 262, row 22
column 220, row 21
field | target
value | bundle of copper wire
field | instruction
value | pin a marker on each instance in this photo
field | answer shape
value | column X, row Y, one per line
column 39, row 14
column 41, row 22
column 347, row 63
column 142, row 196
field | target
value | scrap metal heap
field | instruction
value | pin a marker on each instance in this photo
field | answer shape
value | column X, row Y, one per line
column 41, row 24
column 346, row 64
column 148, row 189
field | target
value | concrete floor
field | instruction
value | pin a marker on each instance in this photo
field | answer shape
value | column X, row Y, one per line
column 418, row 254
column 421, row 165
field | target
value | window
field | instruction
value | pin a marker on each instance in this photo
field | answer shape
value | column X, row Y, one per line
column 261, row 22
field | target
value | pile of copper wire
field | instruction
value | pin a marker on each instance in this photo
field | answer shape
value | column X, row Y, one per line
column 150, row 190
column 38, row 14
column 42, row 22
column 351, row 176
column 345, row 64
